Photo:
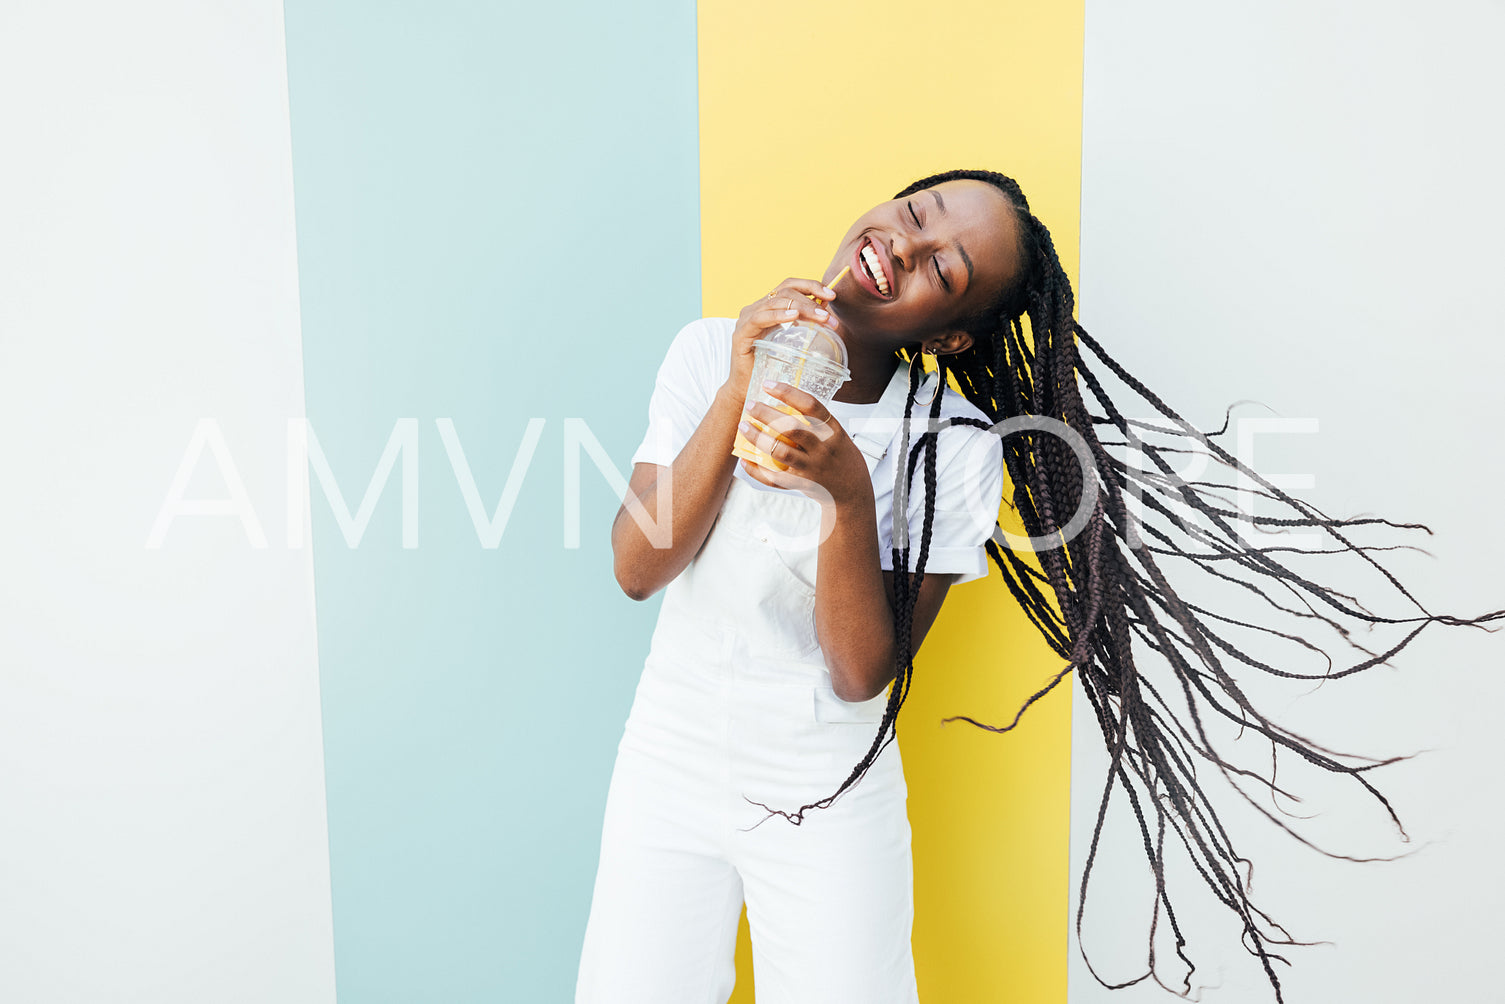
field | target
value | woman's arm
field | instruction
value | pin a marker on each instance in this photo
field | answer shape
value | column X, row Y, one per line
column 854, row 605
column 648, row 549
column 853, row 595
column 686, row 497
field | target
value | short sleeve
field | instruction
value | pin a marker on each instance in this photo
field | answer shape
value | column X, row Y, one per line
column 683, row 391
column 969, row 492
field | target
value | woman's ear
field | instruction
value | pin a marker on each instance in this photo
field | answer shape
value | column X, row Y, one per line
column 946, row 342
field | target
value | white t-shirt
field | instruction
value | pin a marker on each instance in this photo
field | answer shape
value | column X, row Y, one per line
column 969, row 464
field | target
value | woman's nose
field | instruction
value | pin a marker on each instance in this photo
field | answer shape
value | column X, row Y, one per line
column 907, row 248
column 903, row 250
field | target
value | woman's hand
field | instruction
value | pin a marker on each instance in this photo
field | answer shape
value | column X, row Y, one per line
column 790, row 301
column 812, row 446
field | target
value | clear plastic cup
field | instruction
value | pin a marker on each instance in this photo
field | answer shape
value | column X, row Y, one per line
column 809, row 356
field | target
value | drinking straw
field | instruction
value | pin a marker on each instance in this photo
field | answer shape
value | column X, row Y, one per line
column 800, row 367
column 832, row 284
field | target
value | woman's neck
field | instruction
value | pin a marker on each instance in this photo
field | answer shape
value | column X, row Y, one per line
column 871, row 373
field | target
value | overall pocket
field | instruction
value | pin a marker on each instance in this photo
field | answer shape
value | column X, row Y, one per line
column 833, row 710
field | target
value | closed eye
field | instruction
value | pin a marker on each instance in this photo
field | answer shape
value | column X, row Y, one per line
column 935, row 263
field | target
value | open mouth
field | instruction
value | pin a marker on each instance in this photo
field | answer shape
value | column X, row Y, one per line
column 870, row 261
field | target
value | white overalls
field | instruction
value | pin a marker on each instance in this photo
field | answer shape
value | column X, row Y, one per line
column 735, row 703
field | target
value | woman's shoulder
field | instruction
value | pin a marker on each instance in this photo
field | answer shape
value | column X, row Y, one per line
column 968, row 435
column 698, row 352
column 707, row 332
column 955, row 406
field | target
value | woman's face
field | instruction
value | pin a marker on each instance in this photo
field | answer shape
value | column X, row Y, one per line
column 924, row 262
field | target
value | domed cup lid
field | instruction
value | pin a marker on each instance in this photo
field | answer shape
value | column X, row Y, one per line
column 812, row 339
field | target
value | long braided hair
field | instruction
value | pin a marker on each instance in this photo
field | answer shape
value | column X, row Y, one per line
column 1101, row 600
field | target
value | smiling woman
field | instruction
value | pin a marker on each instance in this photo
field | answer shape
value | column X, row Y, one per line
column 768, row 652
column 768, row 658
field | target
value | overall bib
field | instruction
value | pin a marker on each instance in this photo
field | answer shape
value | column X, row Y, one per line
column 735, row 705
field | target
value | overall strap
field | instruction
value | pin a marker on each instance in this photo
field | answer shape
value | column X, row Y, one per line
column 874, row 435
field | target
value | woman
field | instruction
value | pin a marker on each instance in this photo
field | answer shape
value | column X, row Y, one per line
column 762, row 673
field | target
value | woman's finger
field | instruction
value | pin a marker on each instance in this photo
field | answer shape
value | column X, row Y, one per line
column 757, row 319
column 771, row 313
column 780, row 451
column 774, row 479
column 757, row 472
column 803, row 432
column 787, row 480
column 793, row 305
column 804, row 287
column 802, row 401
column 768, row 414
column 760, row 440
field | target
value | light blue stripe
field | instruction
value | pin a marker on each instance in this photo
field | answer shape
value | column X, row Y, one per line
column 497, row 214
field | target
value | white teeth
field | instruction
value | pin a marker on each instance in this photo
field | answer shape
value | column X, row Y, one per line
column 874, row 265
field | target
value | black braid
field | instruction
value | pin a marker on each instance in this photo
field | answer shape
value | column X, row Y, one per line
column 1109, row 602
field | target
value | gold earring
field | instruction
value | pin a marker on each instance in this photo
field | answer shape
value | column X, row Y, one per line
column 912, row 359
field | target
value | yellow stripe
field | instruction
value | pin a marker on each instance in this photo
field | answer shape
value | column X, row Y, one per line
column 809, row 115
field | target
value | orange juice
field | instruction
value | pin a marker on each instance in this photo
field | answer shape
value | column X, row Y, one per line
column 745, row 449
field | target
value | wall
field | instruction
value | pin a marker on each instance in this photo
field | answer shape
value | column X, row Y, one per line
column 162, row 836
column 1297, row 203
column 496, row 227
column 209, row 799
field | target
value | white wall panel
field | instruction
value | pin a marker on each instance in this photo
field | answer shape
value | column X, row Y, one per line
column 1299, row 203
column 162, row 821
